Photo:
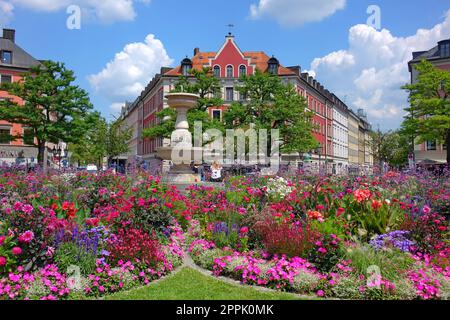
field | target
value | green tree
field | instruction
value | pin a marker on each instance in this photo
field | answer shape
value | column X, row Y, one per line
column 428, row 116
column 207, row 86
column 389, row 147
column 92, row 147
column 117, row 139
column 102, row 140
column 54, row 109
column 270, row 104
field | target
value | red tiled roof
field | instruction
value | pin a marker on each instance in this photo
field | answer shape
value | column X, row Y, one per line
column 258, row 58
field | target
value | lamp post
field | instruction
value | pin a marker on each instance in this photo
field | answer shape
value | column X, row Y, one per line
column 59, row 152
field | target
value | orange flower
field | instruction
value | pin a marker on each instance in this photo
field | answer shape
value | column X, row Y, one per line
column 362, row 195
column 315, row 215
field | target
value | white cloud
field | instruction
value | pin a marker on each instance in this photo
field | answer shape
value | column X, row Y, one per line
column 104, row 11
column 6, row 12
column 116, row 107
column 372, row 70
column 131, row 69
column 295, row 12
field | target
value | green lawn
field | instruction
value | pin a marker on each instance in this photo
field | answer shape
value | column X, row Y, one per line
column 189, row 284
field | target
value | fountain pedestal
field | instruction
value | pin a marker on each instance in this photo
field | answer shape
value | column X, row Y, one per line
column 181, row 152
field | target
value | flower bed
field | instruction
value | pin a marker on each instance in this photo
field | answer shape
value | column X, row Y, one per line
column 351, row 238
column 85, row 235
column 79, row 236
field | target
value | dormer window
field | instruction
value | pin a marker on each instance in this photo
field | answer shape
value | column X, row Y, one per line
column 216, row 71
column 229, row 71
column 444, row 49
column 186, row 66
column 273, row 65
column 242, row 71
column 6, row 57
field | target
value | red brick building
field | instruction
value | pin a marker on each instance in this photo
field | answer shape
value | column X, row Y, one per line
column 228, row 64
column 14, row 61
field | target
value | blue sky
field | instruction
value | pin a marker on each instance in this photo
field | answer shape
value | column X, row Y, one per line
column 359, row 70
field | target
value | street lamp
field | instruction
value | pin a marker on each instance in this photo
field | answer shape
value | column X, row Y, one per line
column 59, row 152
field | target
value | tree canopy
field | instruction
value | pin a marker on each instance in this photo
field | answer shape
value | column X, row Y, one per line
column 53, row 108
column 428, row 116
column 203, row 83
column 270, row 104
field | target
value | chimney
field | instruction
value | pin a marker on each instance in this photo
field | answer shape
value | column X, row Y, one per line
column 196, row 51
column 9, row 34
column 296, row 69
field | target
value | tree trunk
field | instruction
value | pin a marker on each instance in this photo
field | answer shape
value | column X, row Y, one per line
column 42, row 155
column 41, row 150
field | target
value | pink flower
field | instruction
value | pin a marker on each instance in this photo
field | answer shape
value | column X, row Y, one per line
column 426, row 209
column 26, row 237
column 244, row 230
column 17, row 206
column 16, row 251
column 320, row 293
column 322, row 250
column 2, row 240
column 27, row 209
column 2, row 261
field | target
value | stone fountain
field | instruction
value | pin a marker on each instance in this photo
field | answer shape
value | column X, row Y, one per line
column 181, row 151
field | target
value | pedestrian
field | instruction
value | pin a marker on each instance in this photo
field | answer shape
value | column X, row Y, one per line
column 216, row 172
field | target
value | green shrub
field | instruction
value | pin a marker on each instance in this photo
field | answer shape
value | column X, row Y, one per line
column 392, row 262
column 305, row 282
column 348, row 288
column 69, row 254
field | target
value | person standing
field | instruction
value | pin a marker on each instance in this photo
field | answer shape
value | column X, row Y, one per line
column 216, row 172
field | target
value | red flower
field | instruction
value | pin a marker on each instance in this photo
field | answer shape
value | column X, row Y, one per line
column 168, row 205
column 92, row 222
column 376, row 205
column 340, row 212
column 2, row 261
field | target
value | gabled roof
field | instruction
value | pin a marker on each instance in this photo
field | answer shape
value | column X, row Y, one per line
column 258, row 58
column 21, row 59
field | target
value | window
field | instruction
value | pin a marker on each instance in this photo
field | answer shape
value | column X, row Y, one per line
column 217, row 115
column 445, row 50
column 5, row 78
column 229, row 94
column 28, row 136
column 186, row 69
column 242, row 96
column 431, row 145
column 217, row 71
column 273, row 69
column 6, row 57
column 5, row 135
column 229, row 71
column 242, row 71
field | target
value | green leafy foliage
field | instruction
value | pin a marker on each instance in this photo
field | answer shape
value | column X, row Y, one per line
column 54, row 108
column 273, row 105
column 429, row 112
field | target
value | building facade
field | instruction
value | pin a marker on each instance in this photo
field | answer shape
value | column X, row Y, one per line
column 14, row 62
column 228, row 64
column 340, row 137
column 439, row 56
